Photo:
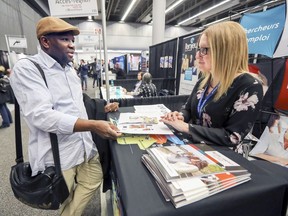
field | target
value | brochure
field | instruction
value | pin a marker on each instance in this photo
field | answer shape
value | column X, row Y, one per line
column 146, row 123
column 185, row 191
column 188, row 161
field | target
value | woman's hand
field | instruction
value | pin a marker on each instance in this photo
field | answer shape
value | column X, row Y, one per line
column 172, row 116
column 111, row 107
column 179, row 125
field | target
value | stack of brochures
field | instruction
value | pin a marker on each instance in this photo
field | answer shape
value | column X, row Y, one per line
column 189, row 173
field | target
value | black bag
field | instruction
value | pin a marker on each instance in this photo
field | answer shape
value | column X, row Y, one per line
column 4, row 84
column 46, row 190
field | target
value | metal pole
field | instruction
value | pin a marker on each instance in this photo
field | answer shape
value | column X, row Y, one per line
column 8, row 49
column 100, row 50
column 103, row 13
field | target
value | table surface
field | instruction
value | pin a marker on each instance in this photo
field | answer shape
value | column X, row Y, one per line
column 112, row 91
column 264, row 194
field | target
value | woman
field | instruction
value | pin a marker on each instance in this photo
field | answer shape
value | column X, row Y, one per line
column 147, row 88
column 224, row 103
column 137, row 85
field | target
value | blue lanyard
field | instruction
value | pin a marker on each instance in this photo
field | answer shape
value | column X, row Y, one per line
column 204, row 99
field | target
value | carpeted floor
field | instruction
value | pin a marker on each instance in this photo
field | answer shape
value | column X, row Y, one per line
column 10, row 206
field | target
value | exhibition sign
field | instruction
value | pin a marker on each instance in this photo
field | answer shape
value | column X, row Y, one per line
column 264, row 30
column 17, row 42
column 282, row 49
column 73, row 8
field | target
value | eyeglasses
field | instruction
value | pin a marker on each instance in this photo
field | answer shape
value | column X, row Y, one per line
column 203, row 50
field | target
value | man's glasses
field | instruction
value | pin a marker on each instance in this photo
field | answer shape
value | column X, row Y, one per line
column 202, row 50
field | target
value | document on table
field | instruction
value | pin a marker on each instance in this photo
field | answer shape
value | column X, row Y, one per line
column 160, row 109
column 142, row 123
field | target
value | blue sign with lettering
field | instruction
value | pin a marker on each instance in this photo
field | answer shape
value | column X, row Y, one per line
column 264, row 30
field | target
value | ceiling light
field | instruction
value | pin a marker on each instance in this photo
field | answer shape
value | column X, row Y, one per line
column 173, row 6
column 90, row 19
column 128, row 10
column 204, row 11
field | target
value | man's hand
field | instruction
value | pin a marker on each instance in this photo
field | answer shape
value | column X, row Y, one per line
column 106, row 130
column 111, row 107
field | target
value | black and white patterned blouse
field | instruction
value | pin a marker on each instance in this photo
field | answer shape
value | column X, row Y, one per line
column 147, row 90
column 228, row 120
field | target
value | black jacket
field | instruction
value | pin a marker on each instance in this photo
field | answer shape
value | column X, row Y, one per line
column 95, row 110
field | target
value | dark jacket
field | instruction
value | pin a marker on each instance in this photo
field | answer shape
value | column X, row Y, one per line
column 95, row 110
column 120, row 73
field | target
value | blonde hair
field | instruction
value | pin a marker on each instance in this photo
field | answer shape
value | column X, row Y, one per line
column 229, row 54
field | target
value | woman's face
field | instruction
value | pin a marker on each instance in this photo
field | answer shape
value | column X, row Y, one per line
column 139, row 76
column 203, row 55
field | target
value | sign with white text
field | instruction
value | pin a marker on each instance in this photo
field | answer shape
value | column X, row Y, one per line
column 264, row 29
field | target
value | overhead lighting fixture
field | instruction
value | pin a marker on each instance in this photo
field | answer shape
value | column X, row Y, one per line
column 205, row 11
column 235, row 15
column 173, row 6
column 89, row 19
column 128, row 10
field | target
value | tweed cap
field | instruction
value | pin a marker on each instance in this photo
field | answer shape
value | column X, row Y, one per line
column 50, row 24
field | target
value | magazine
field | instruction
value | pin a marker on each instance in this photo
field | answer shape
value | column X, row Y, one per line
column 185, row 191
column 188, row 161
column 273, row 143
column 200, row 196
column 147, row 123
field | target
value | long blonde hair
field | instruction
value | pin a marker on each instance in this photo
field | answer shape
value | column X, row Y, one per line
column 229, row 54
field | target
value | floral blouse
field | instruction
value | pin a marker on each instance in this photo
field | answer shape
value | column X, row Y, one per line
column 227, row 121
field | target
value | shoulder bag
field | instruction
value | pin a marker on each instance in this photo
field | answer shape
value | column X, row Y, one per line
column 46, row 190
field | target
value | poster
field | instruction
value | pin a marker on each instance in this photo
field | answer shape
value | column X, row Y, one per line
column 189, row 72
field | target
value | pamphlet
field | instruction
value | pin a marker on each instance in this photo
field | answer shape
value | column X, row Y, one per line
column 147, row 123
column 188, row 161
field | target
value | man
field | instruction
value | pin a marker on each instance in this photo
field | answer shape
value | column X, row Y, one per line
column 59, row 109
column 120, row 73
column 83, row 72
column 96, row 73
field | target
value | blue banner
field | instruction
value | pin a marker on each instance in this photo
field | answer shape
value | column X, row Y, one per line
column 264, row 30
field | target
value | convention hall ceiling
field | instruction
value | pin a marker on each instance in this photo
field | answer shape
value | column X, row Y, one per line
column 142, row 10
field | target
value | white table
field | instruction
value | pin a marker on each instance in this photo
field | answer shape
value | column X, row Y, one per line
column 116, row 92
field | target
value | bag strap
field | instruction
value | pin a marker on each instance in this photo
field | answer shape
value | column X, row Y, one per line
column 53, row 136
column 18, row 135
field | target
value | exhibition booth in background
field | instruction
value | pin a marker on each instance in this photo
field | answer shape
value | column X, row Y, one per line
column 268, row 48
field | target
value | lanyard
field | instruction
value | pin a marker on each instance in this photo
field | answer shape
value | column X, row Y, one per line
column 204, row 99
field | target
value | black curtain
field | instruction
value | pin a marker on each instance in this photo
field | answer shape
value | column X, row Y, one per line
column 162, row 50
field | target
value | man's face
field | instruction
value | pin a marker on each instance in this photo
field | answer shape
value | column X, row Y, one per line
column 61, row 47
